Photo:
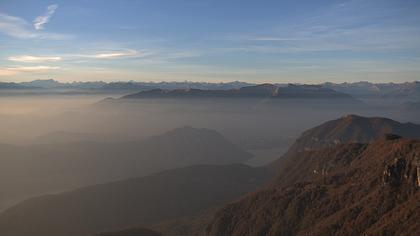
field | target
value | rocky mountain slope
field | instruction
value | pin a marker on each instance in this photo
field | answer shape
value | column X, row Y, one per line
column 350, row 189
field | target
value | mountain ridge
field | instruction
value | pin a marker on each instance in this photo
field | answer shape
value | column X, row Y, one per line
column 257, row 91
column 353, row 128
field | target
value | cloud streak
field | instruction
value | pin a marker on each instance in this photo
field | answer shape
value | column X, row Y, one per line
column 10, row 71
column 352, row 26
column 32, row 68
column 34, row 59
column 115, row 54
column 40, row 21
column 108, row 55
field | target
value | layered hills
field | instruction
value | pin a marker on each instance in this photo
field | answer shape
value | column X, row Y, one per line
column 348, row 176
column 133, row 202
column 46, row 168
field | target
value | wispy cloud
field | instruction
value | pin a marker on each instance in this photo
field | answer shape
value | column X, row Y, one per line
column 17, row 27
column 9, row 71
column 112, row 54
column 115, row 54
column 106, row 55
column 41, row 20
column 351, row 26
column 34, row 59
column 32, row 68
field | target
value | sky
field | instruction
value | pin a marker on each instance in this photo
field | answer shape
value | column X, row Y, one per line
column 299, row 41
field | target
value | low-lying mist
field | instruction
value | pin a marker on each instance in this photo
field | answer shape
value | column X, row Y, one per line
column 54, row 143
column 247, row 122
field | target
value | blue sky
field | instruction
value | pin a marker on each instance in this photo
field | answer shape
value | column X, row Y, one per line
column 210, row 40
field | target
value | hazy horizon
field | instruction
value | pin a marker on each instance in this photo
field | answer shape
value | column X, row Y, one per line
column 212, row 82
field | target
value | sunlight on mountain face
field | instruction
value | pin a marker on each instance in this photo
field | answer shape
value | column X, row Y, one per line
column 215, row 118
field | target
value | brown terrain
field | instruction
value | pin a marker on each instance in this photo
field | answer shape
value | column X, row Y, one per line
column 351, row 189
column 302, row 167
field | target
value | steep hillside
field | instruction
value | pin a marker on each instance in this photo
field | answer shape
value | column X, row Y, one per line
column 352, row 189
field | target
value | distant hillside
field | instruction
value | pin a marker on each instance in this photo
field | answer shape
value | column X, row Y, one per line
column 38, row 169
column 48, row 83
column 133, row 202
column 408, row 90
column 350, row 189
column 363, row 89
column 258, row 91
column 352, row 129
column 4, row 85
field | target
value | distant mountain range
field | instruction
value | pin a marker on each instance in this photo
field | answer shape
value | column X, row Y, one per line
column 408, row 90
column 367, row 183
column 53, row 86
column 257, row 91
